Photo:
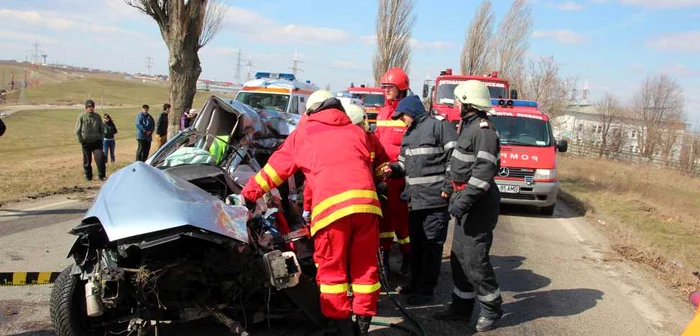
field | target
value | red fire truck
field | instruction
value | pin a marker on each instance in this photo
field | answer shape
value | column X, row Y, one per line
column 372, row 100
column 440, row 92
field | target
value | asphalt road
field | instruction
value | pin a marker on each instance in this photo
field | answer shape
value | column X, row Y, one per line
column 558, row 276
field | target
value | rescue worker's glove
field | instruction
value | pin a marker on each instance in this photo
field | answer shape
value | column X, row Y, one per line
column 458, row 206
column 382, row 189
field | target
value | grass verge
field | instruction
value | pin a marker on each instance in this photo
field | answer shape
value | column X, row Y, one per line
column 652, row 214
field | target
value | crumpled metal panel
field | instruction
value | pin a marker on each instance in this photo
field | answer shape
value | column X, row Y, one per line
column 140, row 199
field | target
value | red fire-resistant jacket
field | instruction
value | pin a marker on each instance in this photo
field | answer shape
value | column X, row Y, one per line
column 335, row 157
column 390, row 132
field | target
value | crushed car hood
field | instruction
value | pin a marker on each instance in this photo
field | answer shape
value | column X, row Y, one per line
column 140, row 199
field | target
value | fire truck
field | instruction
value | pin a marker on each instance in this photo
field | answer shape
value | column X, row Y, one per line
column 440, row 92
column 528, row 170
column 372, row 99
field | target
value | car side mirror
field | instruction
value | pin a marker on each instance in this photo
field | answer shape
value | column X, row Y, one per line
column 514, row 94
column 425, row 91
column 562, row 146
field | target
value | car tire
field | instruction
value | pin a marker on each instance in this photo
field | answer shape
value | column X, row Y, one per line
column 548, row 210
column 66, row 305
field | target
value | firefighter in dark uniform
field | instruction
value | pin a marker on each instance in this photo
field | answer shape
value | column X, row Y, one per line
column 425, row 151
column 475, row 206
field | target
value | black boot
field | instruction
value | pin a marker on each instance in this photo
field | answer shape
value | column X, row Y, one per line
column 405, row 265
column 385, row 262
column 345, row 327
column 363, row 323
column 485, row 323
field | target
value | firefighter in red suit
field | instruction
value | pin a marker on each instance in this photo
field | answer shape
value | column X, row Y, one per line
column 335, row 158
column 390, row 132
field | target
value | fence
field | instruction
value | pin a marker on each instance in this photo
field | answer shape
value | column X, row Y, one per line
column 659, row 161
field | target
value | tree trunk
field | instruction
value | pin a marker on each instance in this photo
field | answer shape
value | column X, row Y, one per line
column 184, row 69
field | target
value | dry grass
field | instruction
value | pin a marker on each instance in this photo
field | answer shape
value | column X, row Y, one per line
column 654, row 212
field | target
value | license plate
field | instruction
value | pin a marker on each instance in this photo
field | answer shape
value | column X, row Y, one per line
column 509, row 189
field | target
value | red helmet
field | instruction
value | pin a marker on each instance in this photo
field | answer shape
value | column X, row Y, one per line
column 396, row 76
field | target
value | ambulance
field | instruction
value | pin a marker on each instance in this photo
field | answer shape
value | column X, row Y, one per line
column 528, row 170
column 280, row 92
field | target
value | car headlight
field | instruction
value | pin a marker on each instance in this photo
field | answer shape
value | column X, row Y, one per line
column 545, row 174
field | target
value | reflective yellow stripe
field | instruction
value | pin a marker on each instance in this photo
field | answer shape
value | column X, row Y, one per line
column 19, row 278
column 386, row 235
column 390, row 123
column 340, row 213
column 372, row 155
column 261, row 182
column 316, row 265
column 342, row 197
column 273, row 175
column 334, row 289
column 44, row 278
column 366, row 289
column 404, row 241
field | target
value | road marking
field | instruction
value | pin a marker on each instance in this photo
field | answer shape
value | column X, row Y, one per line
column 11, row 214
column 570, row 227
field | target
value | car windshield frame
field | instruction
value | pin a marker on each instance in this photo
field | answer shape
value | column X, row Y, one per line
column 245, row 98
column 444, row 93
column 522, row 134
column 365, row 103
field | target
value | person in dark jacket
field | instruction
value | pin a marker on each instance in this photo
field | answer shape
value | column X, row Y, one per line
column 475, row 206
column 425, row 150
column 3, row 128
column 109, row 141
column 162, row 128
column 90, row 131
column 144, row 133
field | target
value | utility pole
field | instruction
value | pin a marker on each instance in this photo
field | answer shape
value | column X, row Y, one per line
column 295, row 64
column 238, row 67
column 250, row 67
column 36, row 54
column 149, row 64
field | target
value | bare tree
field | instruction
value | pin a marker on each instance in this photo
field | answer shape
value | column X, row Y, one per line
column 186, row 26
column 513, row 40
column 609, row 113
column 690, row 153
column 542, row 82
column 478, row 42
column 659, row 107
column 394, row 23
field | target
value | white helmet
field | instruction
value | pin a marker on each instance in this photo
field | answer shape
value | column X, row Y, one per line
column 316, row 98
column 475, row 93
column 355, row 112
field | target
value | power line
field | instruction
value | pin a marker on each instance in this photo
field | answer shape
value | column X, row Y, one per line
column 149, row 63
column 250, row 67
column 295, row 64
column 238, row 67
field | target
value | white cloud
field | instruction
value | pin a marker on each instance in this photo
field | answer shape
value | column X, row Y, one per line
column 350, row 65
column 684, row 41
column 680, row 70
column 662, row 3
column 59, row 22
column 262, row 29
column 562, row 36
column 11, row 35
column 567, row 6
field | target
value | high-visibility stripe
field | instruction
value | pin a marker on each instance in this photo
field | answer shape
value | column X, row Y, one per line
column 403, row 166
column 342, row 197
column 340, row 213
column 273, row 175
column 261, row 182
column 401, row 158
column 487, row 156
column 425, row 180
column 468, row 158
column 450, row 145
column 366, row 289
column 463, row 295
column 372, row 155
column 19, row 278
column 406, row 240
column 390, row 123
column 490, row 297
column 334, row 289
column 478, row 183
column 424, row 151
column 386, row 235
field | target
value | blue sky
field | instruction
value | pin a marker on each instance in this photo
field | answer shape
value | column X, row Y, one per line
column 611, row 44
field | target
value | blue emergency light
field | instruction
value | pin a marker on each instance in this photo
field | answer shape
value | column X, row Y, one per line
column 259, row 75
column 513, row 103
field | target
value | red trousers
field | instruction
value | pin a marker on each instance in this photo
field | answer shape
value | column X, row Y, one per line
column 395, row 219
column 350, row 242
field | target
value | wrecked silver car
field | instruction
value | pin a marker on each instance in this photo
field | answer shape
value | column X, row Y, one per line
column 169, row 240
